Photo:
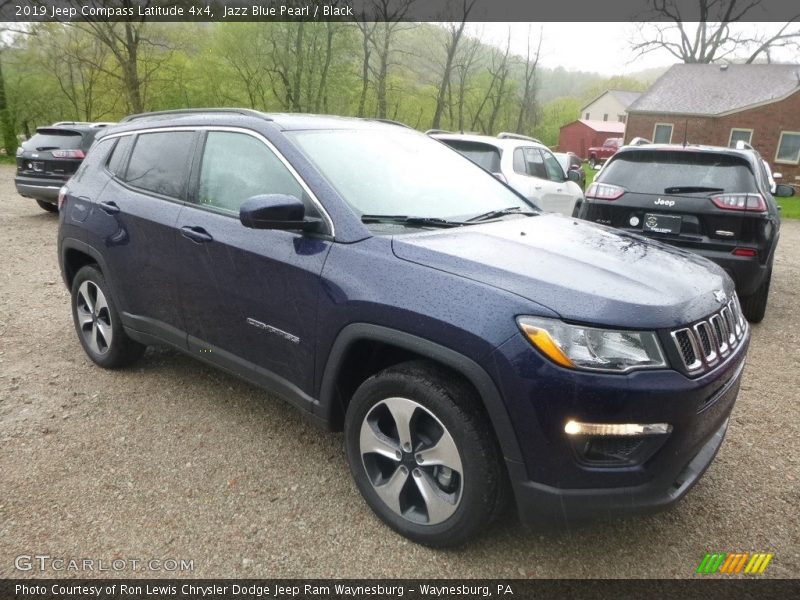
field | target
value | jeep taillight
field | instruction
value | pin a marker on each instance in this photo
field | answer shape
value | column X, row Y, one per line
column 62, row 195
column 604, row 191
column 68, row 154
column 754, row 202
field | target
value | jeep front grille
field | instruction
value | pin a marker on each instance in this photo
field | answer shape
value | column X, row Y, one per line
column 703, row 345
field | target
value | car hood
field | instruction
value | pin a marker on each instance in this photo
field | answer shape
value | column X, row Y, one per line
column 581, row 271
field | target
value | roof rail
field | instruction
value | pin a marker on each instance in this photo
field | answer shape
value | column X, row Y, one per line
column 102, row 124
column 505, row 135
column 195, row 111
column 433, row 131
column 69, row 123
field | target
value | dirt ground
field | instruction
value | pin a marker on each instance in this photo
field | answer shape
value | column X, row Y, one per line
column 171, row 460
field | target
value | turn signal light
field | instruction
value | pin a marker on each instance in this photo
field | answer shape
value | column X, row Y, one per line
column 754, row 202
column 68, row 154
column 750, row 252
column 62, row 195
column 604, row 191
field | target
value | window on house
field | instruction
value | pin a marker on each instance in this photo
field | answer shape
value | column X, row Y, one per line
column 621, row 118
column 586, row 117
column 788, row 147
column 740, row 135
column 662, row 133
column 605, row 117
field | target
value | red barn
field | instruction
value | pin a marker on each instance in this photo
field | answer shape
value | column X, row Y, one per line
column 581, row 135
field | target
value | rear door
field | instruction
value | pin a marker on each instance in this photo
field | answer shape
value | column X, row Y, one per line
column 133, row 223
column 670, row 195
column 249, row 295
column 52, row 153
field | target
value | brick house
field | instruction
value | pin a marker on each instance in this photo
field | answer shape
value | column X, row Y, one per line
column 721, row 104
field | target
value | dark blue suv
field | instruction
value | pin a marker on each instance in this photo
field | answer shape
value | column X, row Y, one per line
column 473, row 349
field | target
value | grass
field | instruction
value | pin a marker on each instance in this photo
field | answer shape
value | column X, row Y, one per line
column 790, row 207
column 7, row 160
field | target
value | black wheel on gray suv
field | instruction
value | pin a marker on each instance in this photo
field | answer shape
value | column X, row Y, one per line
column 755, row 306
column 48, row 206
column 97, row 321
column 423, row 455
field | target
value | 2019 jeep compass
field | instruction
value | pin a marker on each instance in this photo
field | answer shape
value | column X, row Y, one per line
column 467, row 344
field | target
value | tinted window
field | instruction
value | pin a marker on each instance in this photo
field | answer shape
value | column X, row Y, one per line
column 116, row 162
column 96, row 156
column 534, row 163
column 653, row 172
column 160, row 162
column 237, row 166
column 483, row 155
column 54, row 139
column 394, row 171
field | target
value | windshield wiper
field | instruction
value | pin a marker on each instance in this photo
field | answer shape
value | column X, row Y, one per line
column 689, row 189
column 494, row 214
column 410, row 220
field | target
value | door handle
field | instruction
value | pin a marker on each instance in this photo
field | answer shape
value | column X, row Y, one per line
column 196, row 234
column 109, row 207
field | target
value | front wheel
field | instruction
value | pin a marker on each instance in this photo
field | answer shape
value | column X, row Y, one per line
column 423, row 455
column 97, row 321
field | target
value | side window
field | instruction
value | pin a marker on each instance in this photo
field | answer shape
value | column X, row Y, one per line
column 97, row 154
column 553, row 167
column 160, row 162
column 519, row 162
column 535, row 163
column 237, row 166
column 119, row 156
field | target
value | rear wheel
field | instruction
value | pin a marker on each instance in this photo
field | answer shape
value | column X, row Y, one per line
column 755, row 306
column 423, row 455
column 97, row 321
column 48, row 206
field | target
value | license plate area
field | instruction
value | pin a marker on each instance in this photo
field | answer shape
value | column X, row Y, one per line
column 661, row 223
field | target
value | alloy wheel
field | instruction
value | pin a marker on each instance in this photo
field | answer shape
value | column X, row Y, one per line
column 412, row 461
column 94, row 318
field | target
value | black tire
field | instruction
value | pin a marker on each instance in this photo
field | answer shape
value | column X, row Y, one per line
column 48, row 206
column 93, row 314
column 592, row 163
column 482, row 487
column 755, row 306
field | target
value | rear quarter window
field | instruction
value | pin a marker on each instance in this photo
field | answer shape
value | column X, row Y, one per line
column 96, row 156
column 653, row 172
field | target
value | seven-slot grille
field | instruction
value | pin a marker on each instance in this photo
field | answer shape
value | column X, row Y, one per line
column 705, row 344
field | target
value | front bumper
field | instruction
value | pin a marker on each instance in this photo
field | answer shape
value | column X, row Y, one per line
column 40, row 189
column 554, row 485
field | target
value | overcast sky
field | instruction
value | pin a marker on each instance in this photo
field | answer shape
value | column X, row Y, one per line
column 597, row 47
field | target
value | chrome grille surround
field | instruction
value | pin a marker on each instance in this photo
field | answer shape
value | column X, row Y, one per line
column 705, row 344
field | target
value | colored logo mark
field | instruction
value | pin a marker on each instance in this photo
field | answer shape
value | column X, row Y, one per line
column 735, row 562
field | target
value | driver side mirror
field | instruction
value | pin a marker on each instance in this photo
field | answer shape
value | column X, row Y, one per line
column 276, row 211
column 784, row 191
column 574, row 175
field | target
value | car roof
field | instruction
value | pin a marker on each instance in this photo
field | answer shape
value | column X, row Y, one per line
column 501, row 143
column 747, row 154
column 239, row 116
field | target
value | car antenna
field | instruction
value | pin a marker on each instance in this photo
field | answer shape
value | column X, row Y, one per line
column 685, row 128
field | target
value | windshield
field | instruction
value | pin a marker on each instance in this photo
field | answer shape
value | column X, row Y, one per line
column 402, row 172
column 654, row 172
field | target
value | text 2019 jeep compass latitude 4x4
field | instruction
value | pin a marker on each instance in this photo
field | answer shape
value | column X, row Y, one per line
column 467, row 344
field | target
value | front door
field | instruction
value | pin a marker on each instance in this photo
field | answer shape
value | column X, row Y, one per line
column 249, row 296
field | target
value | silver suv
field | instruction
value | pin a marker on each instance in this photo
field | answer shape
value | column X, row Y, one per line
column 523, row 163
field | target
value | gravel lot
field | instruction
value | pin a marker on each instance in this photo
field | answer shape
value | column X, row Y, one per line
column 172, row 459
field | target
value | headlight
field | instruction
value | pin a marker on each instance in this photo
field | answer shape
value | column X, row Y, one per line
column 578, row 347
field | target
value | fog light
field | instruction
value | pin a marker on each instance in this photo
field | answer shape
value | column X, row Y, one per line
column 578, row 428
